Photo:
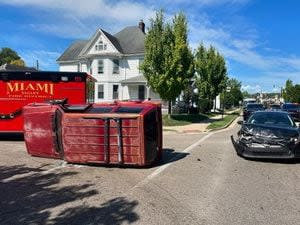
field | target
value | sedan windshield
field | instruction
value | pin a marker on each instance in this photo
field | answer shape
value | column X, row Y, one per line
column 290, row 106
column 272, row 119
column 275, row 107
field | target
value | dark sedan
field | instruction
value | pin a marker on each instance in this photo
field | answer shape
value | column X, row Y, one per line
column 251, row 108
column 268, row 134
column 275, row 107
column 292, row 109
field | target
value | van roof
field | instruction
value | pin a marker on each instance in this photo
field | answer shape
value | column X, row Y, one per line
column 54, row 76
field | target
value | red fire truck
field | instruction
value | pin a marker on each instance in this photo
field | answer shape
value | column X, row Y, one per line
column 20, row 88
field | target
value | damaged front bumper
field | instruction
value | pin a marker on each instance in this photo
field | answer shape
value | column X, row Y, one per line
column 261, row 150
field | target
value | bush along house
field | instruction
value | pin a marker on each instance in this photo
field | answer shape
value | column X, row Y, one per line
column 113, row 60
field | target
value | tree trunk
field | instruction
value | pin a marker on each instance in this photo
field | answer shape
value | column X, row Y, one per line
column 215, row 104
column 169, row 109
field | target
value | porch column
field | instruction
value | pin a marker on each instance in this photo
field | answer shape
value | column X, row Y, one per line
column 148, row 92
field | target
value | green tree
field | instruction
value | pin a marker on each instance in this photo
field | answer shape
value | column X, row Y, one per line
column 18, row 62
column 8, row 55
column 288, row 91
column 190, row 97
column 233, row 94
column 291, row 92
column 211, row 72
column 168, row 62
column 296, row 93
column 246, row 94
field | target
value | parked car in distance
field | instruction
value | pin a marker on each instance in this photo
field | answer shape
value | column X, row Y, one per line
column 251, row 108
column 248, row 100
column 268, row 134
column 293, row 109
column 180, row 107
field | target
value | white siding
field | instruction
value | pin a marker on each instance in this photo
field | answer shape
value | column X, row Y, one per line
column 94, row 66
column 128, row 69
column 153, row 95
column 133, row 92
column 106, row 92
column 68, row 67
column 132, row 67
column 84, row 67
column 124, row 92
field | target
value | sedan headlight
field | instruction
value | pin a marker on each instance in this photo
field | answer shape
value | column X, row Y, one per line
column 295, row 140
column 245, row 135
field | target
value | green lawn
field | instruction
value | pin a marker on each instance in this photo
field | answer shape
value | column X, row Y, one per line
column 183, row 119
column 223, row 122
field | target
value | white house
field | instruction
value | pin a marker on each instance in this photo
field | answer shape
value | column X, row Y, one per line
column 113, row 60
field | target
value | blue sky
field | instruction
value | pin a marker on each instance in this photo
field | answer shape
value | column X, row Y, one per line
column 258, row 38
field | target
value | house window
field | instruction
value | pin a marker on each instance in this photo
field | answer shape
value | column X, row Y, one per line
column 116, row 66
column 115, row 91
column 100, row 46
column 100, row 66
column 100, row 91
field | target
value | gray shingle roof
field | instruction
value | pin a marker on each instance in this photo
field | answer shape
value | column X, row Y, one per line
column 130, row 40
column 113, row 40
column 73, row 51
column 135, row 80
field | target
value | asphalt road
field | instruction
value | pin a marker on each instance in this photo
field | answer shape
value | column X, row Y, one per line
column 200, row 181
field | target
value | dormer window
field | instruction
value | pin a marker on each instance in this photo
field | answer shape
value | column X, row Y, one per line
column 100, row 46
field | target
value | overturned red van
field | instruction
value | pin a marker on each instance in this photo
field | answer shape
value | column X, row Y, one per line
column 119, row 133
column 18, row 88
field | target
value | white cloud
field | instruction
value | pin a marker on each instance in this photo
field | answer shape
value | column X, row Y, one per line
column 125, row 10
column 204, row 2
column 276, row 89
column 244, row 50
column 79, row 19
column 212, row 2
column 46, row 59
column 269, row 81
column 252, row 89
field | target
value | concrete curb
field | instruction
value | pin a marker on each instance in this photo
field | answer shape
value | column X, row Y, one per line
column 224, row 127
column 169, row 129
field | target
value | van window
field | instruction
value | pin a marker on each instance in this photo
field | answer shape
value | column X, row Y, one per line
column 129, row 109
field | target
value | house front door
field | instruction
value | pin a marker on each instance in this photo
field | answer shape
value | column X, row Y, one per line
column 141, row 92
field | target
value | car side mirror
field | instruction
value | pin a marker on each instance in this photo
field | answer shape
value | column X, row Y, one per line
column 240, row 122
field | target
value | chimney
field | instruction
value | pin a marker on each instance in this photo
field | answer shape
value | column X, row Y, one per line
column 142, row 26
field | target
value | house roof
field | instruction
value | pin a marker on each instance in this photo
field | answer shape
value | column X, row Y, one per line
column 12, row 67
column 135, row 80
column 130, row 40
column 73, row 51
column 113, row 40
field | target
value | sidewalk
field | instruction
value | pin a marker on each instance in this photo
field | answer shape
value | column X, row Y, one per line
column 194, row 127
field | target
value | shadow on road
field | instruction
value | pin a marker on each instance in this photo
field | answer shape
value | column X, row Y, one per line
column 169, row 156
column 29, row 195
column 278, row 161
column 11, row 137
column 116, row 211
